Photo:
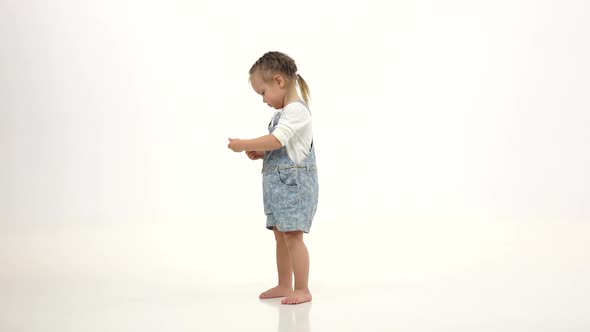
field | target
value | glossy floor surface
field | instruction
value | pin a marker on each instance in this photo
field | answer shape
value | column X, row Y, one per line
column 73, row 280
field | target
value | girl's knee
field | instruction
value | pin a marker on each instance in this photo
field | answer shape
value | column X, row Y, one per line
column 293, row 237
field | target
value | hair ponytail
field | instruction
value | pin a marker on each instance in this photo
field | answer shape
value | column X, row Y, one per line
column 304, row 88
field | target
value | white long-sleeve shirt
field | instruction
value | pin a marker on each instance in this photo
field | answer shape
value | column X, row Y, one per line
column 294, row 131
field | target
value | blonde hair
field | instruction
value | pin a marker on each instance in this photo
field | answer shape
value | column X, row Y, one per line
column 274, row 62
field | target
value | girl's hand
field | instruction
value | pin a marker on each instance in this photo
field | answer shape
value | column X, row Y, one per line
column 234, row 145
column 255, row 154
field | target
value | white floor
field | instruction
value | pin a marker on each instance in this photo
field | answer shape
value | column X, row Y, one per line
column 75, row 278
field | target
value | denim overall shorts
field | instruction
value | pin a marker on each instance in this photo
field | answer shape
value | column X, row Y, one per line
column 290, row 190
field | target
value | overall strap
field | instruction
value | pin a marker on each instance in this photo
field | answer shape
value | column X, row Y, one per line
column 307, row 107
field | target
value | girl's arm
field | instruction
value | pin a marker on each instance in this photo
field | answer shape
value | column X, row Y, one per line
column 255, row 155
column 264, row 143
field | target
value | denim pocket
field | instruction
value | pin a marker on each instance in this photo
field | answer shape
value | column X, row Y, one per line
column 289, row 177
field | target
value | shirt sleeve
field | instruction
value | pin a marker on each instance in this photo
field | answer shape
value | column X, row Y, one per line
column 292, row 119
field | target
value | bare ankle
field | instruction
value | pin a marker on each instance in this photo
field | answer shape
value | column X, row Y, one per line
column 286, row 285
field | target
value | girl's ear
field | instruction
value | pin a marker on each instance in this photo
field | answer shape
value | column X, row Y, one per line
column 279, row 80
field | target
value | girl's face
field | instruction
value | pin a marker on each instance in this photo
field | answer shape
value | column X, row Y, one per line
column 272, row 92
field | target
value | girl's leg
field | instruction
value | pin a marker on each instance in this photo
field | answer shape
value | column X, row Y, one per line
column 300, row 263
column 284, row 270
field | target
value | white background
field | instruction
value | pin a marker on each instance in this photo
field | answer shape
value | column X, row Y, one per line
column 447, row 132
column 452, row 144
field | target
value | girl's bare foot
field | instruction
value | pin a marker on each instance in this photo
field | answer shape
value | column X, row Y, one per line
column 298, row 296
column 279, row 291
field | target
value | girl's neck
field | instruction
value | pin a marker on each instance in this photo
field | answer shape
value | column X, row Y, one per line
column 290, row 96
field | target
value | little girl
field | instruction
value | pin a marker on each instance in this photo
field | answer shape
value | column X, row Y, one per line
column 289, row 176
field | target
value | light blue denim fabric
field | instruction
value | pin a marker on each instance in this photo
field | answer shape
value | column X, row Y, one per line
column 290, row 190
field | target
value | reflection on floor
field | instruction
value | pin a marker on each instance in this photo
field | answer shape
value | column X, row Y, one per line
column 76, row 279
